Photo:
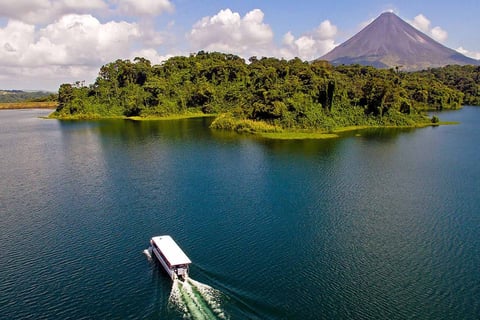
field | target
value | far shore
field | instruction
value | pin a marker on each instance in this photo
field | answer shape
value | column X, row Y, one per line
column 29, row 105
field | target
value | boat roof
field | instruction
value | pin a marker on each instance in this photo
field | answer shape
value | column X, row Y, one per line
column 171, row 251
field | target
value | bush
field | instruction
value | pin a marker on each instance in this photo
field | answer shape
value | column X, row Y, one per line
column 228, row 122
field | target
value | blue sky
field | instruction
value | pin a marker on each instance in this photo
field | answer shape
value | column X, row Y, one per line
column 44, row 43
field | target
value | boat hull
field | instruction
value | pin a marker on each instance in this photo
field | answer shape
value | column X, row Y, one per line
column 169, row 271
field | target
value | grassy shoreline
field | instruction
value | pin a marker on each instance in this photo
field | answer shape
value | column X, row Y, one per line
column 335, row 133
column 28, row 105
column 278, row 134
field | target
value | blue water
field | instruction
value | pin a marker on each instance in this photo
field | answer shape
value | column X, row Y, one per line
column 379, row 224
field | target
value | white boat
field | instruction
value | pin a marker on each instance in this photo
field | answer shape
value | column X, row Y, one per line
column 171, row 257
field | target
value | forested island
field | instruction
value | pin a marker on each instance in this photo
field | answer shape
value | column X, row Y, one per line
column 269, row 95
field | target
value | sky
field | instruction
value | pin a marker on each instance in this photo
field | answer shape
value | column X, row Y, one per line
column 44, row 43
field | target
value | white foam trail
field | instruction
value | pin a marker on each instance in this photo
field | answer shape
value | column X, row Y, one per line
column 148, row 253
column 211, row 296
column 176, row 300
column 196, row 300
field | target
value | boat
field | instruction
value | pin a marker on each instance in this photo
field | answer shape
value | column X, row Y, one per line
column 171, row 256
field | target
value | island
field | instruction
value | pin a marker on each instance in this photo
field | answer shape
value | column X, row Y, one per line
column 266, row 96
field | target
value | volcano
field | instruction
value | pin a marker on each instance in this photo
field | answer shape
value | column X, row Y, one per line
column 390, row 42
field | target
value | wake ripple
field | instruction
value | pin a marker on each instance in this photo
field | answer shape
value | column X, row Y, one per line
column 196, row 300
column 148, row 253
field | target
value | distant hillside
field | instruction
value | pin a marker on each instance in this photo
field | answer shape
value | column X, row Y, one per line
column 22, row 96
column 390, row 42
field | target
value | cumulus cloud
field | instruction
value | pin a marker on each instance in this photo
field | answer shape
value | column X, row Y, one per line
column 75, row 45
column 471, row 54
column 439, row 34
column 144, row 7
column 63, row 39
column 422, row 23
column 16, row 38
column 247, row 36
column 44, row 11
column 72, row 40
column 152, row 55
column 311, row 45
column 326, row 30
column 227, row 31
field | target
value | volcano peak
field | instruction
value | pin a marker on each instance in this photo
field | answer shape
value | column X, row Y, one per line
column 389, row 41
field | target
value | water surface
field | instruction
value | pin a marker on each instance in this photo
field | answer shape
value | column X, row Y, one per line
column 378, row 224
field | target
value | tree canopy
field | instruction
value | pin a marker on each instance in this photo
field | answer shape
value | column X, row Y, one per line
column 288, row 94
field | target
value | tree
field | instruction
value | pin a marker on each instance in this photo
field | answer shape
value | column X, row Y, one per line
column 65, row 96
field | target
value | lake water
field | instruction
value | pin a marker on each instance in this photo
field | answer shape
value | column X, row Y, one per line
column 379, row 224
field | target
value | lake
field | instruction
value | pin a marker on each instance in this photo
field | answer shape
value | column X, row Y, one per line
column 378, row 224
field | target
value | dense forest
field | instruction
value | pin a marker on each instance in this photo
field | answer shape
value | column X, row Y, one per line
column 463, row 78
column 268, row 94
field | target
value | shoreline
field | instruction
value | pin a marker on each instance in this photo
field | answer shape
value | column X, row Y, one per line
column 28, row 105
column 133, row 118
column 336, row 133
column 172, row 117
column 281, row 135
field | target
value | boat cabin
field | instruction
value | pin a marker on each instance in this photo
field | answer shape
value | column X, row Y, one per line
column 171, row 256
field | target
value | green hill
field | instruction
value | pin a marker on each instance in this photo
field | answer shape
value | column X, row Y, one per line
column 7, row 96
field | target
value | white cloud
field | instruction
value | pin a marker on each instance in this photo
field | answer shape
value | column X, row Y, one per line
column 56, row 39
column 75, row 45
column 82, row 40
column 288, row 39
column 311, row 45
column 439, row 34
column 422, row 23
column 16, row 37
column 44, row 77
column 227, row 31
column 326, row 30
column 44, row 11
column 81, row 5
column 250, row 36
column 471, row 54
column 152, row 55
column 144, row 7
column 47, row 11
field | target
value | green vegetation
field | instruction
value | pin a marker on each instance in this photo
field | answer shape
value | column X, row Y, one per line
column 463, row 78
column 267, row 96
column 15, row 96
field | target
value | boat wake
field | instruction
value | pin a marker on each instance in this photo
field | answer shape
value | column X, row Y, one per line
column 148, row 253
column 196, row 300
